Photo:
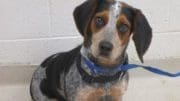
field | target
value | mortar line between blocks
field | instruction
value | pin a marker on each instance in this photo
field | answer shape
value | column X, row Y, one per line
column 49, row 38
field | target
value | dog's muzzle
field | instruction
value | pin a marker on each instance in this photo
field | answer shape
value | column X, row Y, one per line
column 105, row 48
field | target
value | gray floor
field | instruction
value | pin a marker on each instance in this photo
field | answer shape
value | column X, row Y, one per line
column 143, row 85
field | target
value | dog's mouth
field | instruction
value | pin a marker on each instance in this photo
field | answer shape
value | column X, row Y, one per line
column 103, row 61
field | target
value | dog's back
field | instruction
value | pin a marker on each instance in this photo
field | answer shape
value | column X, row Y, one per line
column 45, row 82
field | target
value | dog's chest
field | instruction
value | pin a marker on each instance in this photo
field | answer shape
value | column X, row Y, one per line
column 91, row 93
column 78, row 90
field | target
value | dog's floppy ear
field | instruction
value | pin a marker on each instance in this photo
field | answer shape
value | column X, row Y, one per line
column 142, row 33
column 83, row 15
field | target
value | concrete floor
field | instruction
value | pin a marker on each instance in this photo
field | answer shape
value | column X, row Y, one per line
column 143, row 85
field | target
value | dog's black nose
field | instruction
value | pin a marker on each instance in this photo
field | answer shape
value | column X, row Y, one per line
column 105, row 47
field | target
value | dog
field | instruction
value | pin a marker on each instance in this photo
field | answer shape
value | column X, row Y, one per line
column 106, row 27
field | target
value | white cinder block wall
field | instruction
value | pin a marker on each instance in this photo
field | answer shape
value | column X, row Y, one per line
column 31, row 30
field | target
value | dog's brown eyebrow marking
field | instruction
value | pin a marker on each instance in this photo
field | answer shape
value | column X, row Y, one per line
column 123, row 19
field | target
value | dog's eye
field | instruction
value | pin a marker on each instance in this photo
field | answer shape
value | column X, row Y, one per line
column 123, row 28
column 99, row 22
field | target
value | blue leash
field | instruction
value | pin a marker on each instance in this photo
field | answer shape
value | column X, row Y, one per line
column 125, row 67
column 151, row 69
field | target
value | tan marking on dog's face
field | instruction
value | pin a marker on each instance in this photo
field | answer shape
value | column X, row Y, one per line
column 104, row 16
column 124, row 37
column 109, row 32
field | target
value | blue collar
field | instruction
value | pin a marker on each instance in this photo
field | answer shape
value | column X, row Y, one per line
column 96, row 75
column 125, row 67
column 95, row 70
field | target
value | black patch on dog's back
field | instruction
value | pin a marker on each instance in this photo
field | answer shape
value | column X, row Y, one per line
column 55, row 65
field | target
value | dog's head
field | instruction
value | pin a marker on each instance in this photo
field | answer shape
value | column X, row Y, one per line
column 107, row 25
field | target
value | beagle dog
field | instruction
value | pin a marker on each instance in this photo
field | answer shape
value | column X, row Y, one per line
column 106, row 27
